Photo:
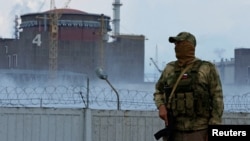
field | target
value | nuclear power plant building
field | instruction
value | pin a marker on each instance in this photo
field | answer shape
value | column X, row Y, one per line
column 77, row 44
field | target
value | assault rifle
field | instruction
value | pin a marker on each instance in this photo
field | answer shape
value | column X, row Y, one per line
column 168, row 130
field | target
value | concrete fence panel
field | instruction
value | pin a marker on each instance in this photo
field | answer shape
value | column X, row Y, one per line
column 76, row 124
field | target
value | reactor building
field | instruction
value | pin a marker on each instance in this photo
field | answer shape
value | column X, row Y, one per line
column 72, row 47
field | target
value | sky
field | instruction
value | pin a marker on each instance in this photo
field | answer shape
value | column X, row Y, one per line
column 220, row 26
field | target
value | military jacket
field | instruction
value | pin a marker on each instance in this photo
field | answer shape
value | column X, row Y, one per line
column 196, row 102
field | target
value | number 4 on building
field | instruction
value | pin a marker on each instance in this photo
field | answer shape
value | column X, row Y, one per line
column 37, row 40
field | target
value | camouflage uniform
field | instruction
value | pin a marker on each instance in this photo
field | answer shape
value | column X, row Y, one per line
column 198, row 98
column 208, row 81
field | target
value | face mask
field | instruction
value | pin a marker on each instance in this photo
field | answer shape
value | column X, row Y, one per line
column 185, row 52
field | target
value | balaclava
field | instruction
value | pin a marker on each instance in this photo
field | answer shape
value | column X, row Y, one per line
column 185, row 47
column 185, row 52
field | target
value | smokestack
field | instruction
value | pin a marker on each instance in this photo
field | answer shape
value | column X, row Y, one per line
column 16, row 34
column 116, row 17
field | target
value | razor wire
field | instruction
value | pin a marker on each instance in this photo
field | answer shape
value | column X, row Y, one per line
column 237, row 103
column 96, row 98
column 73, row 96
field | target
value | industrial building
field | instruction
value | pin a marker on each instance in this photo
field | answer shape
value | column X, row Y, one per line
column 236, row 71
column 76, row 43
column 69, row 44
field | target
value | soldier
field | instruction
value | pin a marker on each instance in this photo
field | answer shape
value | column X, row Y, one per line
column 196, row 99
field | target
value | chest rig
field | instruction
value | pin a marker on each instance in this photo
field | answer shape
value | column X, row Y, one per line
column 188, row 98
column 189, row 78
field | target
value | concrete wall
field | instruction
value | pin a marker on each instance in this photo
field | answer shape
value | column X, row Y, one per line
column 48, row 124
column 36, row 124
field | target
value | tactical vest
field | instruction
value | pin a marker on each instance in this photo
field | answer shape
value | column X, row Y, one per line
column 190, row 98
